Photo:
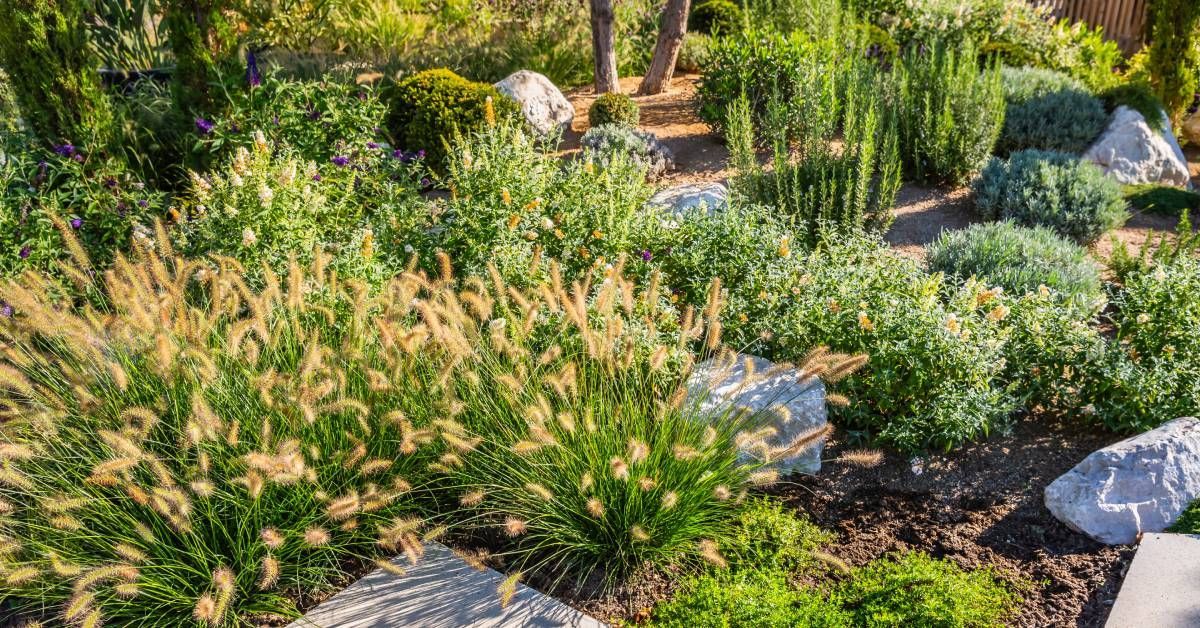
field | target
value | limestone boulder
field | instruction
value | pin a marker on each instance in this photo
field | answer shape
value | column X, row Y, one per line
column 1131, row 152
column 776, row 395
column 1141, row 484
column 681, row 199
column 545, row 107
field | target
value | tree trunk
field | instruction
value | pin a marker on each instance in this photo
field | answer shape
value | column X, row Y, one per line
column 670, row 40
column 603, row 47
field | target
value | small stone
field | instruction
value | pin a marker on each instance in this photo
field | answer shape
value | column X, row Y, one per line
column 546, row 109
column 1131, row 152
column 681, row 199
column 793, row 406
column 1138, row 485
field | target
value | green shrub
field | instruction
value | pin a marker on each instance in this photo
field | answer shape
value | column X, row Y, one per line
column 1082, row 51
column 1167, row 250
column 263, row 208
column 1150, row 373
column 213, row 457
column 915, row 590
column 1189, row 521
column 768, row 538
column 1049, row 111
column 428, row 108
column 613, row 108
column 821, row 188
column 1020, row 260
column 693, row 55
column 92, row 196
column 43, row 50
column 1056, row 190
column 716, row 17
column 950, row 113
column 1173, row 60
column 1162, row 199
column 607, row 143
column 1139, row 97
column 748, row 599
column 932, row 376
column 203, row 38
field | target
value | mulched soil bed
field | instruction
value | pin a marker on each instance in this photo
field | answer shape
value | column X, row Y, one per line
column 980, row 505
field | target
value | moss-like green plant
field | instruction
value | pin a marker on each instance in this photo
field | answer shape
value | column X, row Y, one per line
column 428, row 108
column 613, row 108
column 43, row 49
column 1189, row 521
column 768, row 537
column 1162, row 199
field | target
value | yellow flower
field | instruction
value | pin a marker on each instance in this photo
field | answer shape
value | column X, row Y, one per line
column 952, row 324
column 533, row 204
column 834, row 306
column 598, row 234
column 505, row 197
column 864, row 321
column 784, row 249
column 998, row 313
column 558, row 233
column 368, row 245
column 513, row 221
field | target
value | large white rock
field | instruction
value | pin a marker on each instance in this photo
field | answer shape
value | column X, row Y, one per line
column 1131, row 152
column 794, row 407
column 680, row 199
column 1141, row 484
column 544, row 106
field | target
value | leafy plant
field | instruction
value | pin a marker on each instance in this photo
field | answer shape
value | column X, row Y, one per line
column 1139, row 97
column 1021, row 260
column 749, row 599
column 1050, row 189
column 204, row 42
column 766, row 537
column 1186, row 243
column 1189, row 521
column 716, row 17
column 428, row 108
column 125, row 35
column 1162, row 199
column 1049, row 111
column 950, row 113
column 1173, row 60
column 613, row 108
column 914, row 589
column 604, row 143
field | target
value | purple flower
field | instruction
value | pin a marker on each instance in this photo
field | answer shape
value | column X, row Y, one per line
column 65, row 150
column 143, row 203
column 425, row 182
column 6, row 310
column 421, row 154
column 110, row 183
column 24, row 254
column 647, row 255
column 372, row 145
column 276, row 120
column 253, row 76
column 341, row 161
column 316, row 177
column 76, row 223
column 204, row 126
column 78, row 157
column 313, row 114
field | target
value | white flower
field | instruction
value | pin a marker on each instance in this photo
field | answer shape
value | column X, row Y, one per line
column 408, row 248
column 248, row 237
column 1143, row 318
column 236, row 180
column 498, row 323
column 260, row 141
column 265, row 195
column 547, row 223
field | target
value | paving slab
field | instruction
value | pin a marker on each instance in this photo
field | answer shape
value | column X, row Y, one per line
column 441, row 591
column 1162, row 588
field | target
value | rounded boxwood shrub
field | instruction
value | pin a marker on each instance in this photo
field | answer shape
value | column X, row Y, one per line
column 716, row 17
column 605, row 142
column 1048, row 110
column 1051, row 189
column 613, row 108
column 428, row 108
column 1020, row 260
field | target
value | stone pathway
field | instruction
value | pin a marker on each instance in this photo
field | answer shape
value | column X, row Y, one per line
column 1162, row 588
column 442, row 591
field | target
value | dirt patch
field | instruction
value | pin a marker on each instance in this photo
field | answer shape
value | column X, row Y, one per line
column 980, row 505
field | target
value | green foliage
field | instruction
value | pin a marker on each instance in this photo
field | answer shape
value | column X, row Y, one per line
column 748, row 599
column 265, row 208
column 204, row 41
column 1083, row 52
column 613, row 108
column 125, row 35
column 606, row 143
column 914, row 589
column 1185, row 243
column 45, row 194
column 516, row 207
column 1162, row 199
column 950, row 113
column 1048, row 110
column 693, row 55
column 1049, row 189
column 819, row 187
column 1189, row 521
column 716, row 17
column 43, row 50
column 767, row 537
column 1173, row 61
column 428, row 108
column 1139, row 97
column 1021, row 260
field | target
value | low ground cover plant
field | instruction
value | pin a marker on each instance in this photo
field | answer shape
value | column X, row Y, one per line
column 1047, row 110
column 1189, row 521
column 1162, row 199
column 1021, row 260
column 1050, row 189
column 606, row 143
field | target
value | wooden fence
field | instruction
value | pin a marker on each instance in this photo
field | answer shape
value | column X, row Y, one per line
column 1123, row 20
